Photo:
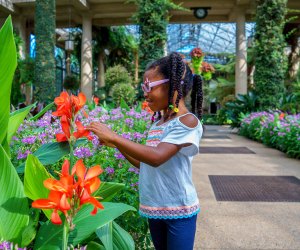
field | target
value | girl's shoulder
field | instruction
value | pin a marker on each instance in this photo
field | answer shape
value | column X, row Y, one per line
column 188, row 120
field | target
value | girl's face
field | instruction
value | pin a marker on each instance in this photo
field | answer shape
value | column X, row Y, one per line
column 157, row 98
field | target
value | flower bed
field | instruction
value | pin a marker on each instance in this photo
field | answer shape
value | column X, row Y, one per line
column 132, row 124
column 278, row 130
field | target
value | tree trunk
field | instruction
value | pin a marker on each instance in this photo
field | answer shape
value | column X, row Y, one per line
column 136, row 69
column 101, row 71
column 294, row 58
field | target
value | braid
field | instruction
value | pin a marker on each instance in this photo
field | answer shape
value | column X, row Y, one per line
column 176, row 69
column 158, row 116
column 197, row 95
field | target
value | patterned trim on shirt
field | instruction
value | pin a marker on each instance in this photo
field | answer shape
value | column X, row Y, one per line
column 154, row 136
column 169, row 212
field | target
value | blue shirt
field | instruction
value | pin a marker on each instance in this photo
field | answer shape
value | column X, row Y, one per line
column 167, row 191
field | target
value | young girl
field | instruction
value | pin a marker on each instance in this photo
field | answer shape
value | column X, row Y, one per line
column 167, row 195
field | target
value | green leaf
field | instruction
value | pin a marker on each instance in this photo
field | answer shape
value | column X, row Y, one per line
column 30, row 231
column 13, row 202
column 15, row 120
column 35, row 174
column 108, row 190
column 124, row 105
column 105, row 234
column 86, row 224
column 43, row 111
column 49, row 153
column 92, row 245
column 122, row 240
column 8, row 63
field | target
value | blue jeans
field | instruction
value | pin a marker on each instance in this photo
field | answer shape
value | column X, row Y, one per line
column 173, row 234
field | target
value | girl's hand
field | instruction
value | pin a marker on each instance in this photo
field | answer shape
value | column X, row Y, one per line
column 104, row 133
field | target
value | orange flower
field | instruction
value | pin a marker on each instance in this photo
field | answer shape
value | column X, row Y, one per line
column 96, row 100
column 78, row 102
column 57, row 201
column 281, row 116
column 88, row 183
column 146, row 107
column 67, row 190
column 81, row 131
column 67, row 108
column 64, row 105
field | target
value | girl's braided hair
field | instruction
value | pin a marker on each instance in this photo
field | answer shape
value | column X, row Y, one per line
column 182, row 80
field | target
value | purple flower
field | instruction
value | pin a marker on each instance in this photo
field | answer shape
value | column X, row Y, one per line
column 134, row 170
column 129, row 122
column 119, row 156
column 109, row 170
column 21, row 155
column 82, row 152
column 29, row 139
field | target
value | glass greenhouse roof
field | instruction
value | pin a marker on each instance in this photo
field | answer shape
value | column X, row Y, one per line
column 212, row 38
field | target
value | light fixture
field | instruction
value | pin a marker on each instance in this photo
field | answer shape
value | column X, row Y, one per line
column 200, row 12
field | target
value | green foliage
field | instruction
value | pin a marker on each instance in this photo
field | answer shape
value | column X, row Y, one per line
column 220, row 89
column 152, row 17
column 8, row 63
column 15, row 120
column 71, row 82
column 123, row 92
column 117, row 75
column 51, row 235
column 24, row 75
column 276, row 130
column 45, row 44
column 13, row 202
column 243, row 104
column 114, row 237
column 270, row 59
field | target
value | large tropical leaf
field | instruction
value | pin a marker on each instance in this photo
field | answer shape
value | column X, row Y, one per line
column 35, row 174
column 108, row 190
column 15, row 120
column 51, row 235
column 105, row 234
column 8, row 63
column 114, row 237
column 122, row 240
column 51, row 152
column 13, row 202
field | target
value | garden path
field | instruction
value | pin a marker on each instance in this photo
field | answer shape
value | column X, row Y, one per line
column 244, row 224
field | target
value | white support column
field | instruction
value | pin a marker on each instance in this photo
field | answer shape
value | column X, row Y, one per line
column 241, row 54
column 86, row 57
column 20, row 24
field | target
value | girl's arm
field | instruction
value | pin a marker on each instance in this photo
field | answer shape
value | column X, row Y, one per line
column 154, row 156
column 133, row 161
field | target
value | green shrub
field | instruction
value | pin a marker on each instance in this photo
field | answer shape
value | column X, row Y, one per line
column 71, row 82
column 123, row 91
column 116, row 75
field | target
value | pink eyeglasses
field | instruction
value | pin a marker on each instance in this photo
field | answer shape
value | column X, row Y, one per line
column 147, row 85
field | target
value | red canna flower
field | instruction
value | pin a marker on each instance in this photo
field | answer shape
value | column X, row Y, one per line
column 81, row 131
column 96, row 100
column 281, row 116
column 57, row 201
column 88, row 183
column 68, row 195
column 67, row 108
column 146, row 107
column 64, row 105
